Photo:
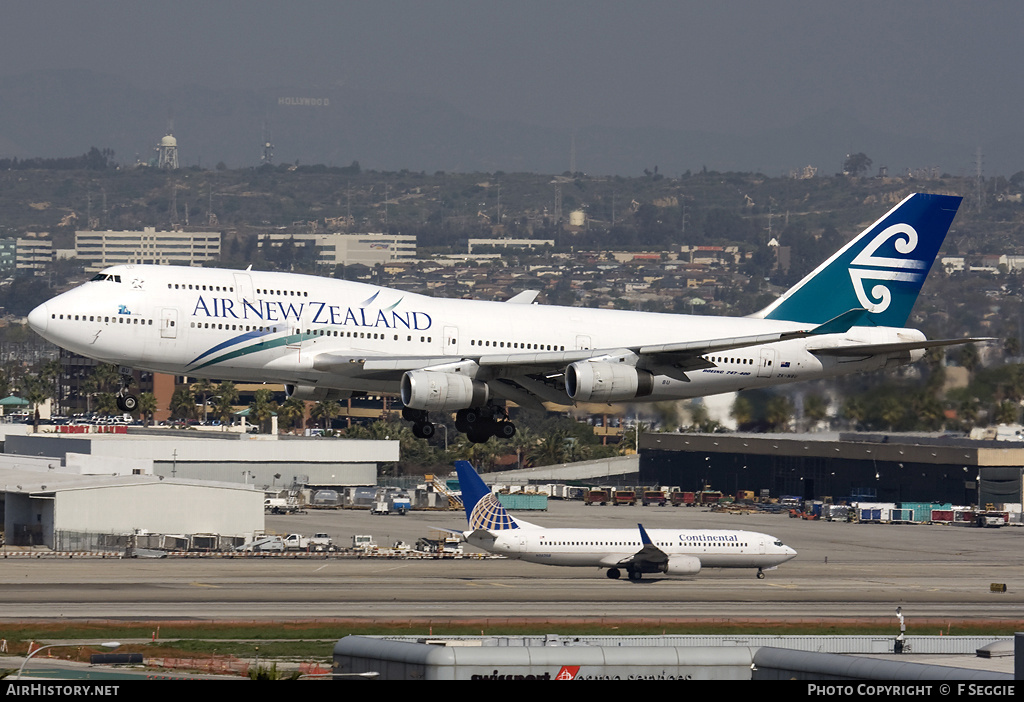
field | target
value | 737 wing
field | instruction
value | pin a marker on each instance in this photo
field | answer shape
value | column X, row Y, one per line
column 648, row 559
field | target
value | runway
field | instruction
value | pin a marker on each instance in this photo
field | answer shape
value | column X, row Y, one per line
column 931, row 571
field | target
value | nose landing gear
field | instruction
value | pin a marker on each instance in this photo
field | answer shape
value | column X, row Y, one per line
column 126, row 401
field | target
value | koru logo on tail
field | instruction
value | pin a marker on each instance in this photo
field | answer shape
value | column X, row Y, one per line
column 887, row 269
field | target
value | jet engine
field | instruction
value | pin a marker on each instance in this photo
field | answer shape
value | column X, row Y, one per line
column 682, row 565
column 433, row 390
column 595, row 381
column 314, row 393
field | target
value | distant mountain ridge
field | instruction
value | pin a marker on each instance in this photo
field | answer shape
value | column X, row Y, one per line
column 62, row 113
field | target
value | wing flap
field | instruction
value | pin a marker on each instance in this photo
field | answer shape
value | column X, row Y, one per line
column 649, row 554
column 876, row 349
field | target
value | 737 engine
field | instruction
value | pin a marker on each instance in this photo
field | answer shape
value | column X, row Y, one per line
column 682, row 565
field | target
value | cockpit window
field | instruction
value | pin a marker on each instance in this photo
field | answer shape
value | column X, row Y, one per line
column 107, row 277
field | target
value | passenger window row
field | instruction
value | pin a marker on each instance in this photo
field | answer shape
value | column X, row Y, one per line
column 516, row 345
column 282, row 293
column 230, row 327
column 101, row 318
column 360, row 335
column 208, row 288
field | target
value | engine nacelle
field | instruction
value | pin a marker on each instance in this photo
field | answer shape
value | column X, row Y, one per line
column 433, row 390
column 314, row 393
column 596, row 381
column 682, row 565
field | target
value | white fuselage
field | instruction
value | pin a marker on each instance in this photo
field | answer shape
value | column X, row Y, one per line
column 258, row 326
column 605, row 548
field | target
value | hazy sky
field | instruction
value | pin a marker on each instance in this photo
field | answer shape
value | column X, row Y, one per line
column 945, row 70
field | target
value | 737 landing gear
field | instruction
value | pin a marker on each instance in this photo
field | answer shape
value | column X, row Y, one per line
column 613, row 573
column 760, row 574
column 126, row 402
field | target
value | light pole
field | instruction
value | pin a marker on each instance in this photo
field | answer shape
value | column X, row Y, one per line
column 106, row 644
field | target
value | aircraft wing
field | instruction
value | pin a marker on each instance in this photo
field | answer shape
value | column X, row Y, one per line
column 872, row 349
column 649, row 554
column 530, row 378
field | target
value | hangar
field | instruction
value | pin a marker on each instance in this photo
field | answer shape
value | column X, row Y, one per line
column 81, row 512
column 886, row 467
column 229, row 458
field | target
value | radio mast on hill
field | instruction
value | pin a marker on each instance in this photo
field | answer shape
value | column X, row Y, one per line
column 268, row 148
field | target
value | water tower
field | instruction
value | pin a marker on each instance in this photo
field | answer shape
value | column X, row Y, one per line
column 167, row 153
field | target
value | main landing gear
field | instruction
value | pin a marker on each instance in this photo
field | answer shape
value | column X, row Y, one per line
column 126, row 402
column 478, row 423
column 631, row 573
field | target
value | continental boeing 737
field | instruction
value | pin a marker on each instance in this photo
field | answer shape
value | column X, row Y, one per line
column 327, row 339
column 669, row 551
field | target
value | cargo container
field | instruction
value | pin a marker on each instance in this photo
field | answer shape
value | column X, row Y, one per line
column 682, row 498
column 654, row 497
column 624, row 497
column 875, row 511
column 708, row 497
column 596, row 496
column 836, row 513
column 524, row 501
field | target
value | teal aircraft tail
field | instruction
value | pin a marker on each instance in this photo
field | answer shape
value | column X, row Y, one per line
column 882, row 270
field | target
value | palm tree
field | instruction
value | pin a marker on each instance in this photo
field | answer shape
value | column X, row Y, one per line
column 551, row 449
column 50, row 374
column 204, row 388
column 147, row 406
column 778, row 412
column 324, row 411
column 291, row 412
column 227, row 396
column 36, row 391
column 524, row 440
column 106, row 403
column 262, row 407
column 742, row 411
column 183, row 404
column 855, row 411
column 815, row 409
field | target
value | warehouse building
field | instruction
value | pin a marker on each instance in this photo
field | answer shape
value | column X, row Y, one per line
column 249, row 459
column 68, row 512
column 886, row 467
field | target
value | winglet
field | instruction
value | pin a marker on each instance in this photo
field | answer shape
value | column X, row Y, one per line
column 526, row 297
column 841, row 324
column 644, row 538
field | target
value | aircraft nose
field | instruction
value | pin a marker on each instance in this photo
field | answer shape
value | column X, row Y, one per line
column 38, row 319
